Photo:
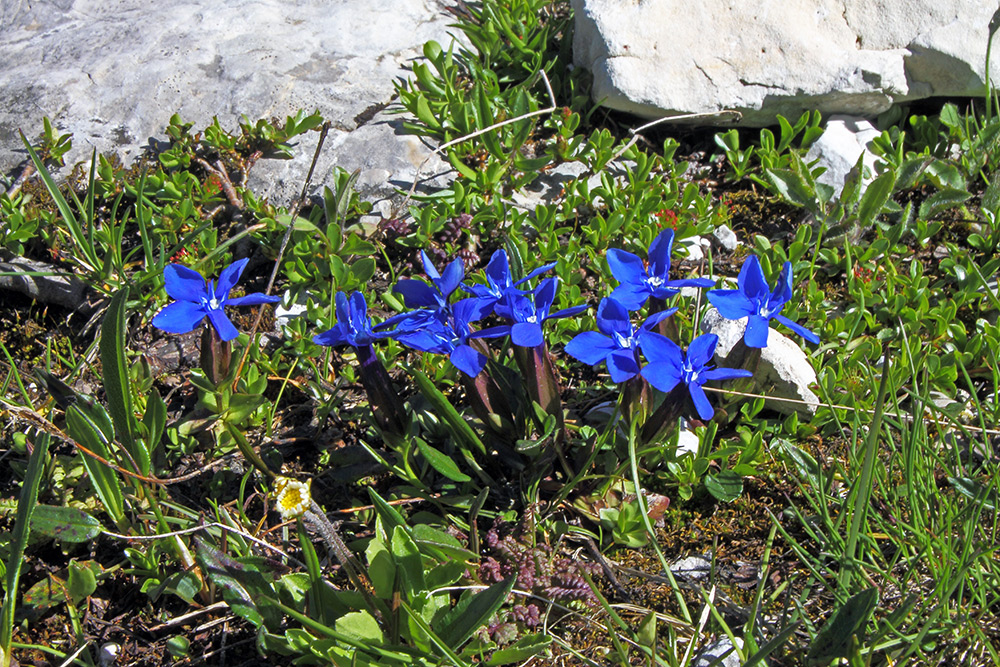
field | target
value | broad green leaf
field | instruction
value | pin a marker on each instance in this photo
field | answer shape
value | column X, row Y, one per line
column 360, row 625
column 66, row 524
column 524, row 648
column 19, row 536
column 87, row 433
column 942, row 200
column 381, row 568
column 834, row 637
column 726, row 486
column 437, row 543
column 987, row 495
column 441, row 462
column 792, row 187
column 472, row 612
column 409, row 561
column 875, row 197
column 116, row 380
column 81, row 582
column 243, row 586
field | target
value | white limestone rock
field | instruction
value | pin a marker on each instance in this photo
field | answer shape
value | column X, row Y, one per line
column 112, row 73
column 844, row 141
column 784, row 371
column 657, row 58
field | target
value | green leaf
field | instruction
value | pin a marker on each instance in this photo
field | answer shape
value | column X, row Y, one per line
column 441, row 462
column 85, row 429
column 792, row 187
column 942, row 201
column 524, row 648
column 243, row 586
column 472, row 612
column 355, row 245
column 81, row 582
column 66, row 524
column 19, row 537
column 381, row 568
column 987, row 495
column 834, row 638
column 875, row 197
column 726, row 486
column 409, row 561
column 360, row 625
column 155, row 419
column 116, row 380
column 459, row 428
column 391, row 519
column 439, row 544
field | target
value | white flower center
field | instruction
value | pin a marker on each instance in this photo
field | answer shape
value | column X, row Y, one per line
column 655, row 281
column 532, row 319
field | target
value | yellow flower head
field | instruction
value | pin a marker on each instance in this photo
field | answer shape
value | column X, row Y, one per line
column 293, row 497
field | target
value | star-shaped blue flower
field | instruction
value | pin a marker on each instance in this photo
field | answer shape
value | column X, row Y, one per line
column 638, row 283
column 353, row 326
column 618, row 343
column 527, row 312
column 498, row 280
column 418, row 294
column 444, row 331
column 668, row 366
column 754, row 300
column 196, row 298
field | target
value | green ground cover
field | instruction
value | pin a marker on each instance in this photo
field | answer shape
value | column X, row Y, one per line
column 494, row 475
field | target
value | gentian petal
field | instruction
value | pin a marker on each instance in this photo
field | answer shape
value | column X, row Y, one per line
column 656, row 318
column 659, row 254
column 757, row 330
column 662, row 375
column 179, row 317
column 725, row 374
column 567, row 312
column 429, row 269
column 492, row 332
column 537, row 272
column 467, row 360
column 622, row 365
column 229, row 277
column 418, row 294
column 690, row 282
column 527, row 334
column 498, row 271
column 332, row 337
column 701, row 350
column 701, row 403
column 626, row 267
column 222, row 324
column 590, row 347
column 631, row 295
column 731, row 303
column 545, row 295
column 798, row 328
column 452, row 277
column 751, row 280
column 612, row 317
column 184, row 284
column 660, row 349
column 255, row 299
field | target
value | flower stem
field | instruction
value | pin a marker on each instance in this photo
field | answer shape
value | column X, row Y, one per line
column 640, row 500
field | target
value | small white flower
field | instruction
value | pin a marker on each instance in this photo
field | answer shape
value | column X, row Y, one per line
column 293, row 497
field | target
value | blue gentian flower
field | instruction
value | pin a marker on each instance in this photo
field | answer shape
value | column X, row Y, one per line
column 618, row 343
column 527, row 312
column 353, row 326
column 197, row 298
column 498, row 279
column 418, row 294
column 444, row 332
column 668, row 366
column 638, row 283
column 757, row 303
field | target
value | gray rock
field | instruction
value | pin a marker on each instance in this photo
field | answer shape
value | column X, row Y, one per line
column 722, row 647
column 44, row 283
column 784, row 371
column 658, row 58
column 844, row 141
column 726, row 238
column 112, row 73
column 692, row 568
